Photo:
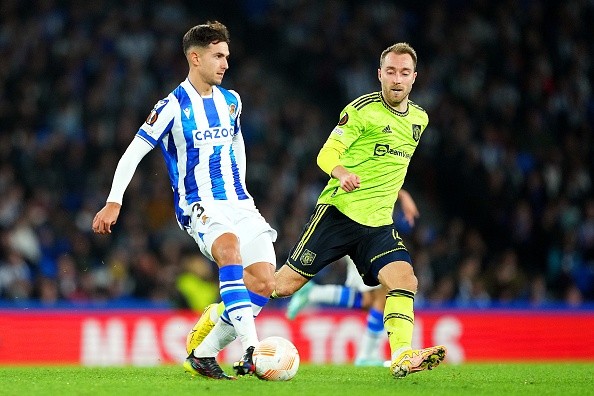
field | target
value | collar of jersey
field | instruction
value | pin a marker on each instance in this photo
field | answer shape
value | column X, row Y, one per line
column 392, row 110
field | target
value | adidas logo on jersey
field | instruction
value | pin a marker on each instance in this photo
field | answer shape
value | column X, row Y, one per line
column 387, row 129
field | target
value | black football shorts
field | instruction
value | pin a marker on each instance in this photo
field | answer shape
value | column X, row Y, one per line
column 330, row 235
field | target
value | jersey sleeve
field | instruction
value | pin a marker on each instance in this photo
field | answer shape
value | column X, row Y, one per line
column 126, row 168
column 159, row 121
column 349, row 127
column 329, row 155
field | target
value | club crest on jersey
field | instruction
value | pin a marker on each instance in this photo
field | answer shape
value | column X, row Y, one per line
column 344, row 119
column 416, row 132
column 307, row 257
column 232, row 109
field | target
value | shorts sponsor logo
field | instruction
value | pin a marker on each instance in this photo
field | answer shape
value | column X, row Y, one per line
column 307, row 257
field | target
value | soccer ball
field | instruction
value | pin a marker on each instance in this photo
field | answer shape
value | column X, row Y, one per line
column 276, row 359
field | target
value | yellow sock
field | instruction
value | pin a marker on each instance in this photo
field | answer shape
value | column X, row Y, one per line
column 220, row 308
column 399, row 318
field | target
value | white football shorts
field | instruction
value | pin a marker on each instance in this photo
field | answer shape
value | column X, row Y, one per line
column 242, row 218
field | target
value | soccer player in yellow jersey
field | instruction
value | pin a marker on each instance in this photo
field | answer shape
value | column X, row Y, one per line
column 367, row 157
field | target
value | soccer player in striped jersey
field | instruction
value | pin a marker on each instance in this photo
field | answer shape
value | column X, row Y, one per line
column 367, row 156
column 197, row 128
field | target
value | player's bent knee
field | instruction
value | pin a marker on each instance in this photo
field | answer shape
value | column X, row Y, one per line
column 225, row 250
column 259, row 278
column 398, row 275
column 263, row 287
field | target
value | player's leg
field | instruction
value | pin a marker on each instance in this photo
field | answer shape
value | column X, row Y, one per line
column 214, row 229
column 259, row 260
column 325, row 238
column 288, row 281
column 259, row 277
column 373, row 298
column 345, row 296
column 226, row 253
column 213, row 312
column 382, row 258
column 369, row 352
column 204, row 325
column 332, row 295
column 398, row 277
column 234, row 294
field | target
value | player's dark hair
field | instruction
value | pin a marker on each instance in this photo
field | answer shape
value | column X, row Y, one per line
column 400, row 48
column 205, row 34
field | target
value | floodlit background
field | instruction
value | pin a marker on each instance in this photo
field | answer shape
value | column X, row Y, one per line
column 502, row 176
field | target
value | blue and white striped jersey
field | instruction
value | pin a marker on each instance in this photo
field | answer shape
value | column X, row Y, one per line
column 201, row 141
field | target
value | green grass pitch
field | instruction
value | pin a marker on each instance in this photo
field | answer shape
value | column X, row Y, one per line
column 561, row 378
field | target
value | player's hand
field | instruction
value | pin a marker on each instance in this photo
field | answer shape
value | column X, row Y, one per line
column 350, row 182
column 408, row 206
column 106, row 217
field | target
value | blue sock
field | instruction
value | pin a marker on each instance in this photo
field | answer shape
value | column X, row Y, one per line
column 375, row 321
column 350, row 298
column 238, row 306
column 258, row 302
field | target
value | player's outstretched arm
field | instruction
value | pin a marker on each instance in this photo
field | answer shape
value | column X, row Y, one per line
column 108, row 216
column 409, row 207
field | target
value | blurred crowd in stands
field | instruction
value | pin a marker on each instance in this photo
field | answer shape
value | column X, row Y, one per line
column 502, row 176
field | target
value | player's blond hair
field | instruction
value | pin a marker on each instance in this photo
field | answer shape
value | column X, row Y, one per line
column 400, row 48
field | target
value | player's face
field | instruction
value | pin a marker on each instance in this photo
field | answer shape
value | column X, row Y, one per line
column 397, row 76
column 213, row 63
